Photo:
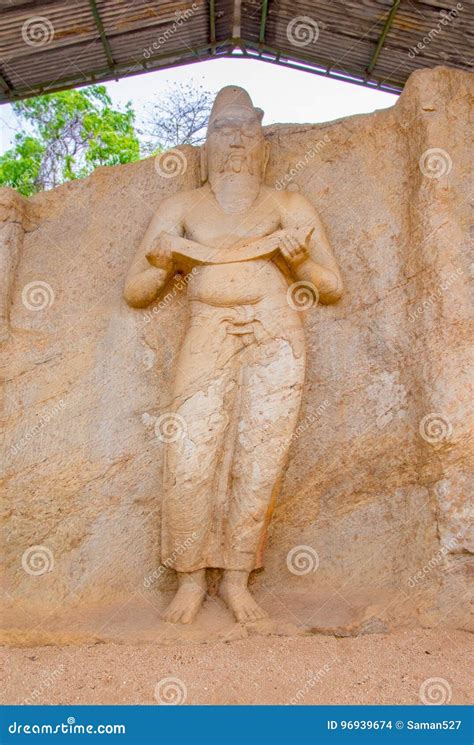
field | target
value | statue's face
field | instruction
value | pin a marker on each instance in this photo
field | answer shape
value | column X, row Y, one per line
column 235, row 143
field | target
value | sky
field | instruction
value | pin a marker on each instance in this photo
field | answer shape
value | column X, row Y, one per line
column 284, row 94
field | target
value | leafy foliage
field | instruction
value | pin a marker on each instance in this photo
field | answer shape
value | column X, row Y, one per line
column 66, row 135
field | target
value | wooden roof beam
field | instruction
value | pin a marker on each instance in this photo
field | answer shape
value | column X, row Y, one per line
column 103, row 35
column 212, row 24
column 386, row 28
column 263, row 21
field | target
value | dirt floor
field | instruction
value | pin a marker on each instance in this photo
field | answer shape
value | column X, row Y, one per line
column 397, row 668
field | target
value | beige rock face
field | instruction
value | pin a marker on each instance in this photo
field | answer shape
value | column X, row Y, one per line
column 371, row 527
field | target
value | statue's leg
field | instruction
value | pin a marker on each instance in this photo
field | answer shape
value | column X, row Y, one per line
column 270, row 405
column 201, row 389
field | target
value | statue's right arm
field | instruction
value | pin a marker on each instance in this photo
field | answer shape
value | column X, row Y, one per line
column 145, row 282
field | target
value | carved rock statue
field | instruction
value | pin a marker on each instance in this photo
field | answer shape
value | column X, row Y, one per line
column 240, row 371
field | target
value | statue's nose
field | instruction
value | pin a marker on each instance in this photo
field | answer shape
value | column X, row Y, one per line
column 236, row 140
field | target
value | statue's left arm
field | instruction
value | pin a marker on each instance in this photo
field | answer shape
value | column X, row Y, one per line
column 313, row 262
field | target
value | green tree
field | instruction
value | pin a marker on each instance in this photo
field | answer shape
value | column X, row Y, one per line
column 65, row 136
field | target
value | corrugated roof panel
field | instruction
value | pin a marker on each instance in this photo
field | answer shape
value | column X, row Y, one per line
column 136, row 44
column 23, row 33
column 59, row 43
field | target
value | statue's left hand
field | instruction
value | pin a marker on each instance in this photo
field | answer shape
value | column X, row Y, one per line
column 293, row 251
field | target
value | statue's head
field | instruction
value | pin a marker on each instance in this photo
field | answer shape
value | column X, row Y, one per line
column 234, row 143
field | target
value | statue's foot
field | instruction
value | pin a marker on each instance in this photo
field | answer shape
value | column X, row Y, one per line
column 238, row 599
column 188, row 599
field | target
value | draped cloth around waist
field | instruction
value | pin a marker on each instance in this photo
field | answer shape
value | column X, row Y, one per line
column 237, row 391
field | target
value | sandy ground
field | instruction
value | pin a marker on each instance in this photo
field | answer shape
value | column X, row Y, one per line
column 371, row 669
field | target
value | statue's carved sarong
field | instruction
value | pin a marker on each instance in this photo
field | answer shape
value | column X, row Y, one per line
column 238, row 388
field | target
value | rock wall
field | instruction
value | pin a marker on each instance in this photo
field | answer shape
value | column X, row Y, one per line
column 374, row 500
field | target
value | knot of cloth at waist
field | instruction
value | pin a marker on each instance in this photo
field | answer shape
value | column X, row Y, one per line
column 240, row 319
column 270, row 317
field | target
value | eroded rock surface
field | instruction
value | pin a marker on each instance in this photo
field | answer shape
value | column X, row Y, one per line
column 371, row 526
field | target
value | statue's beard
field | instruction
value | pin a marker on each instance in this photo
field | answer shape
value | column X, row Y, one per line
column 235, row 177
column 235, row 188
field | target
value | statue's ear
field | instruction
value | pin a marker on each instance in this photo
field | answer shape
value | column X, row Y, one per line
column 203, row 164
column 259, row 113
column 266, row 156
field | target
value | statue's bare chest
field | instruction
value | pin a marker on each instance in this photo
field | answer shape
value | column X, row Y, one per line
column 207, row 223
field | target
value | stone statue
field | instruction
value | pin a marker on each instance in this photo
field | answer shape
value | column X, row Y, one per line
column 240, row 371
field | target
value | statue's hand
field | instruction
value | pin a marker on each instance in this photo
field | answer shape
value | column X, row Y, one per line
column 160, row 257
column 293, row 251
